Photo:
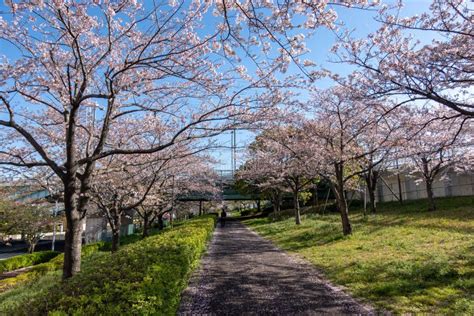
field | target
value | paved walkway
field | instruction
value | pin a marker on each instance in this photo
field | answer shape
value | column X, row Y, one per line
column 244, row 274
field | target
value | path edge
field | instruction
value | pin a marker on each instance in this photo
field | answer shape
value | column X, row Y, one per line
column 340, row 290
column 191, row 291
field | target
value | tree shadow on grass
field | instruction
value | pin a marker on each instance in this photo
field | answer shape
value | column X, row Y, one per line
column 384, row 281
column 310, row 237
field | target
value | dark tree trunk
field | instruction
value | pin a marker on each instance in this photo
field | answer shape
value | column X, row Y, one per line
column 275, row 206
column 315, row 198
column 338, row 189
column 343, row 209
column 373, row 207
column 297, row 207
column 72, row 245
column 276, row 202
column 31, row 247
column 400, row 193
column 371, row 181
column 146, row 224
column 258, row 206
column 429, row 184
column 116, row 231
column 429, row 192
column 73, row 237
column 160, row 222
column 200, row 208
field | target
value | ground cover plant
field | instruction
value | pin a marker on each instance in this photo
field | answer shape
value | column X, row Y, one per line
column 403, row 259
column 144, row 277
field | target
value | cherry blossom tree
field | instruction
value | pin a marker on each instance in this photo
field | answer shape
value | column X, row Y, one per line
column 283, row 161
column 397, row 61
column 85, row 69
column 260, row 176
column 433, row 145
column 343, row 132
column 147, row 184
column 118, row 192
column 380, row 143
column 82, row 69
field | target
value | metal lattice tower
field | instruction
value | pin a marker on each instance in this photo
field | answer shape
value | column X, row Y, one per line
column 233, row 153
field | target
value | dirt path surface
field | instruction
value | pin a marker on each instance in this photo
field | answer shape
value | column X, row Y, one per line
column 244, row 274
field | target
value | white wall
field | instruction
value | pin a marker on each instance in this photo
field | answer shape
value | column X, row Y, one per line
column 453, row 184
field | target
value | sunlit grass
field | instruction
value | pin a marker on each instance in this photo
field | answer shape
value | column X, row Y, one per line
column 403, row 259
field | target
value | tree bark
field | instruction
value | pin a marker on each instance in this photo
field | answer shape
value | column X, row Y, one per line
column 371, row 181
column 146, row 224
column 297, row 208
column 72, row 245
column 429, row 184
column 160, row 222
column 116, row 231
column 400, row 193
column 31, row 247
column 73, row 237
column 430, row 194
column 275, row 206
column 338, row 189
column 315, row 198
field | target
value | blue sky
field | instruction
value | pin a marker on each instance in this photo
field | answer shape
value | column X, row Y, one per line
column 362, row 23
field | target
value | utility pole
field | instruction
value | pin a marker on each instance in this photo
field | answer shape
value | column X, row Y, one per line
column 54, row 225
column 233, row 153
column 400, row 193
column 172, row 203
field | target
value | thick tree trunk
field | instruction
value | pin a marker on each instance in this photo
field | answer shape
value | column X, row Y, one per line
column 297, row 208
column 72, row 245
column 146, row 224
column 116, row 232
column 429, row 184
column 259, row 208
column 160, row 222
column 373, row 207
column 429, row 192
column 275, row 206
column 371, row 181
column 31, row 247
column 73, row 237
column 315, row 198
column 343, row 209
column 338, row 189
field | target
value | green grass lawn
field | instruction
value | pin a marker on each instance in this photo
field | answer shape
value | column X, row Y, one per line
column 403, row 259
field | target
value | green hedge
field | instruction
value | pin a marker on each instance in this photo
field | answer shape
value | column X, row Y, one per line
column 146, row 277
column 26, row 260
column 41, row 269
column 57, row 262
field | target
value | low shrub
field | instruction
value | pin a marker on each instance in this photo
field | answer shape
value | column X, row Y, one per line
column 26, row 260
column 145, row 277
column 41, row 269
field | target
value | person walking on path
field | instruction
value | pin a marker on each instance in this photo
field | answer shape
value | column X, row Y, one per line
column 223, row 216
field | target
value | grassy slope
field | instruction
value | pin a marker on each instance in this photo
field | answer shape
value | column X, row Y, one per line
column 403, row 259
